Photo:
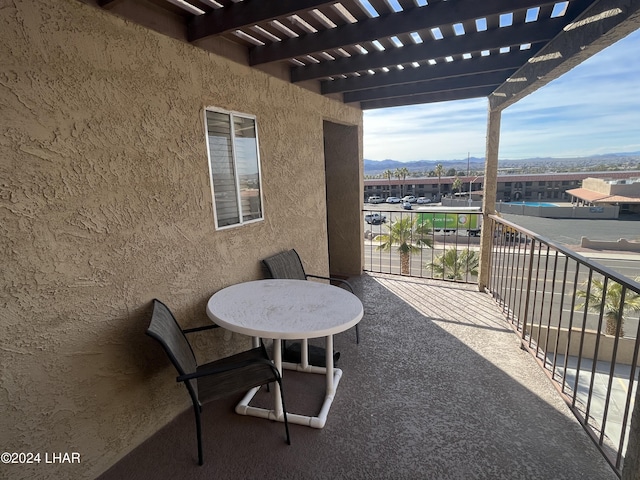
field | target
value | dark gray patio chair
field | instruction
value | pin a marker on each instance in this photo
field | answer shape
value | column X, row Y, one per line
column 213, row 380
column 287, row 265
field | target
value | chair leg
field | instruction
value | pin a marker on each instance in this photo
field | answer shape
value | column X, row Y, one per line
column 196, row 409
column 284, row 411
column 357, row 334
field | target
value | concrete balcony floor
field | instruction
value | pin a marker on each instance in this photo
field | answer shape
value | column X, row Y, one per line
column 438, row 388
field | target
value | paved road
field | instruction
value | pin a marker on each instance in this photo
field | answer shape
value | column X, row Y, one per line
column 556, row 294
column 570, row 231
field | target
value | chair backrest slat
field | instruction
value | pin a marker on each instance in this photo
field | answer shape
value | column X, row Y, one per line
column 165, row 329
column 285, row 265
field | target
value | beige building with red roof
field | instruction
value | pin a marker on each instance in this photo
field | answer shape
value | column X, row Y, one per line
column 608, row 191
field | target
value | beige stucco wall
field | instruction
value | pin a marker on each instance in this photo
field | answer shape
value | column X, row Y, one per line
column 345, row 192
column 604, row 187
column 105, row 204
column 587, row 344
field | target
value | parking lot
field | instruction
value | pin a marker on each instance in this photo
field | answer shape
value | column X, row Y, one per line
column 569, row 232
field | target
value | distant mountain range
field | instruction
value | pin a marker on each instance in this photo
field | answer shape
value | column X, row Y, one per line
column 376, row 167
column 382, row 165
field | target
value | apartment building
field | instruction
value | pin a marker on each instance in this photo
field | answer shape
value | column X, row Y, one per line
column 529, row 187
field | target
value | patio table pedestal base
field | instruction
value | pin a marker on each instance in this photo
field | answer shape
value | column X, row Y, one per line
column 243, row 408
column 333, row 376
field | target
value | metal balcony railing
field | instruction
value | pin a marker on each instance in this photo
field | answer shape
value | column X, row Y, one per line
column 426, row 242
column 579, row 319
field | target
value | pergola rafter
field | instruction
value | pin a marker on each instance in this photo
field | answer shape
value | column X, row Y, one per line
column 358, row 52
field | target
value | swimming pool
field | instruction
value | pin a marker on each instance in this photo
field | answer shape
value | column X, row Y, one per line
column 533, row 204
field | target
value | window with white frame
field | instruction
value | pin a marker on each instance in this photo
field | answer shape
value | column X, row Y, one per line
column 234, row 164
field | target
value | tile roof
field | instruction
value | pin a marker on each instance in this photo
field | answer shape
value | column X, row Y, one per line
column 598, row 197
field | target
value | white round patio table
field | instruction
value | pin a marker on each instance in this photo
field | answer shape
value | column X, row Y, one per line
column 287, row 310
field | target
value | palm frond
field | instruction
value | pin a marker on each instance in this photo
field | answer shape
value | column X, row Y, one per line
column 454, row 264
column 408, row 235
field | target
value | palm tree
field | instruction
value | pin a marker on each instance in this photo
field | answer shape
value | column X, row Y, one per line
column 409, row 235
column 609, row 301
column 453, row 265
column 401, row 174
column 398, row 175
column 439, row 171
column 388, row 174
column 457, row 184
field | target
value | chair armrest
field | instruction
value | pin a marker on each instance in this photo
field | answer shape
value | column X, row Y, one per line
column 333, row 279
column 199, row 329
column 227, row 368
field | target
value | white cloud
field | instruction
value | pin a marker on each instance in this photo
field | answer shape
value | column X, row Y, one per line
column 594, row 108
column 431, row 131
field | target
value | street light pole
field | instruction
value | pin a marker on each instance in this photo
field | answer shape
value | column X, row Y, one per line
column 470, row 184
column 469, row 175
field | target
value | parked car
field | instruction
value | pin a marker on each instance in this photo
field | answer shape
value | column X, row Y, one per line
column 406, row 205
column 393, row 200
column 375, row 218
column 423, row 200
column 409, row 198
column 375, row 199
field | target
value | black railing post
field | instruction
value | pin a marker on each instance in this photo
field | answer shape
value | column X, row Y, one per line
column 528, row 291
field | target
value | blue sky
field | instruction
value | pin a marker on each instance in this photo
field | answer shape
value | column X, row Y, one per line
column 592, row 109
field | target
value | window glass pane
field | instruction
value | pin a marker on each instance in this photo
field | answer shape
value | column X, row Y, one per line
column 235, row 168
column 246, row 150
column 222, row 172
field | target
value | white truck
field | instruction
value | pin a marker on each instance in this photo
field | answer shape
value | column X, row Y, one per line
column 375, row 218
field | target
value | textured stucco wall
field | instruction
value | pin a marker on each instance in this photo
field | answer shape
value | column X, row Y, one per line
column 345, row 192
column 105, row 204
